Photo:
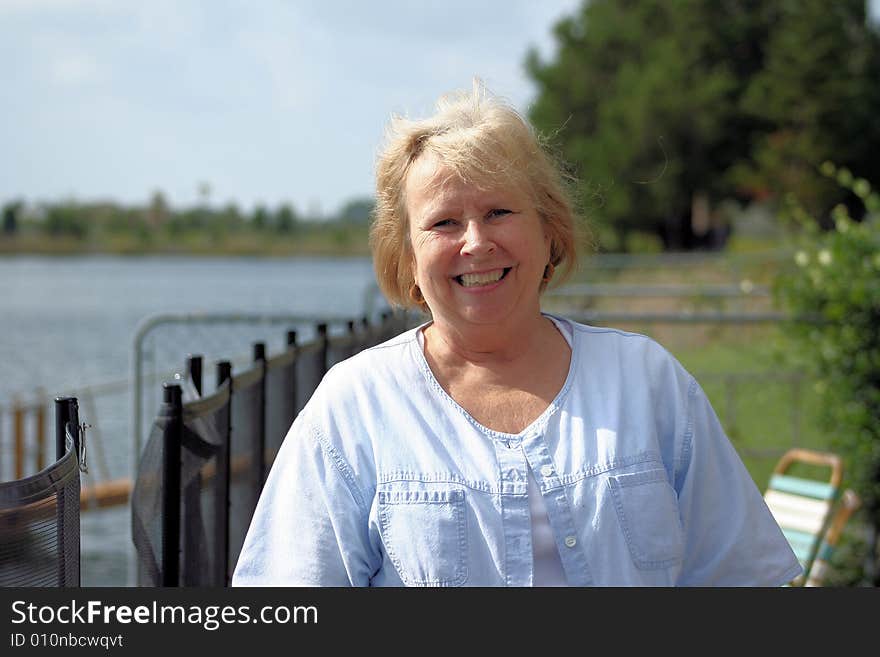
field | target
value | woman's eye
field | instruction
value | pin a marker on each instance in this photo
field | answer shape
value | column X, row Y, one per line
column 443, row 222
column 498, row 212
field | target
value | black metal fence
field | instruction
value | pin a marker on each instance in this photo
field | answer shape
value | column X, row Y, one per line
column 206, row 460
column 39, row 514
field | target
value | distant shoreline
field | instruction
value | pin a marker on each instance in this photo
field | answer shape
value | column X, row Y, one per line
column 62, row 247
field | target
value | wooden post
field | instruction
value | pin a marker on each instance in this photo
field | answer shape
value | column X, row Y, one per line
column 18, row 437
column 40, row 411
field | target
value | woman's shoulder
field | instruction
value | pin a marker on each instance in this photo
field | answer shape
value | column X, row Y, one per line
column 626, row 358
column 616, row 342
column 364, row 382
column 374, row 362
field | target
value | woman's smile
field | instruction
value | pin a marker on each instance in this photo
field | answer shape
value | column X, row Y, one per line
column 482, row 279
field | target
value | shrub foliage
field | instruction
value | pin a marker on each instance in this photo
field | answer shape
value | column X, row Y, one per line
column 834, row 288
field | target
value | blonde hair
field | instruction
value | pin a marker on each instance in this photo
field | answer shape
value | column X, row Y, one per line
column 485, row 142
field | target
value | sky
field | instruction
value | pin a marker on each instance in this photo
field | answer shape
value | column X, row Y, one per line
column 268, row 102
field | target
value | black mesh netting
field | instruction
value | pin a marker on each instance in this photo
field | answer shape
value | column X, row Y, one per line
column 146, row 506
column 245, row 478
column 203, row 489
column 39, row 527
column 201, row 494
column 310, row 369
column 280, row 401
column 343, row 346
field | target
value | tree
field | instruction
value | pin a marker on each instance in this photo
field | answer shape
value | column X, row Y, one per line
column 158, row 211
column 66, row 219
column 285, row 220
column 229, row 217
column 11, row 213
column 260, row 218
column 358, row 210
column 819, row 94
column 657, row 104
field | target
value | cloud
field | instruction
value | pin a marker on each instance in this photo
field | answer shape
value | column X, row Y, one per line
column 75, row 69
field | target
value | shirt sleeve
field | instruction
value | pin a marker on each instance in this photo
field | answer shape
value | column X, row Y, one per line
column 731, row 538
column 310, row 525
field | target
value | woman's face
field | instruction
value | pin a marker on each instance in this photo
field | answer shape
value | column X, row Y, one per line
column 478, row 255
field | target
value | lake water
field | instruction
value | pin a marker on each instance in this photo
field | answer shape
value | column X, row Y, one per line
column 68, row 323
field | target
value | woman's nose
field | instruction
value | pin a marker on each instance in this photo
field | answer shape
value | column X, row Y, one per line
column 477, row 239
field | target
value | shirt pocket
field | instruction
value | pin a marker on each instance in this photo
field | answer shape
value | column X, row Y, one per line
column 425, row 535
column 647, row 509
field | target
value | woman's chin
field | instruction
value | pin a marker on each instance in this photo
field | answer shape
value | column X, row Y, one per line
column 482, row 314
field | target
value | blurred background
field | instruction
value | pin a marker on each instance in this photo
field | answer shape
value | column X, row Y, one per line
column 191, row 158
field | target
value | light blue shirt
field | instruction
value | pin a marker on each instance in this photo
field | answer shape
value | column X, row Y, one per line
column 384, row 480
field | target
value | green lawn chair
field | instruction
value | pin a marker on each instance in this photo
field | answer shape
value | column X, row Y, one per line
column 802, row 505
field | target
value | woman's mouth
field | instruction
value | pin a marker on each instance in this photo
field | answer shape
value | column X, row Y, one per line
column 482, row 278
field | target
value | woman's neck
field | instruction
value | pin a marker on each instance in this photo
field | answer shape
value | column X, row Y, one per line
column 487, row 344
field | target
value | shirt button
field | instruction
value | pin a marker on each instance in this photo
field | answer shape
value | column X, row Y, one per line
column 547, row 470
column 570, row 541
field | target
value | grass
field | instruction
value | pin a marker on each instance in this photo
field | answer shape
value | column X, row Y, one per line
column 764, row 407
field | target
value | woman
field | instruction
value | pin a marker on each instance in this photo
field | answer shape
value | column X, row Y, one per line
column 496, row 445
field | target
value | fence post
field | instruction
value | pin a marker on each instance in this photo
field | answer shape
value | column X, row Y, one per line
column 191, row 491
column 322, row 337
column 172, row 410
column 221, row 507
column 353, row 346
column 18, row 436
column 194, row 369
column 260, row 447
column 366, row 335
column 384, row 328
column 66, row 413
column 40, row 411
column 291, row 344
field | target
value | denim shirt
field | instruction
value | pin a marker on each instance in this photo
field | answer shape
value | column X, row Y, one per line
column 384, row 480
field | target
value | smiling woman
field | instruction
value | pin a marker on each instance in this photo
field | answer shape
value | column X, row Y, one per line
column 496, row 445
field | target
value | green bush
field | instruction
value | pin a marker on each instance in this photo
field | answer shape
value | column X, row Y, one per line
column 834, row 289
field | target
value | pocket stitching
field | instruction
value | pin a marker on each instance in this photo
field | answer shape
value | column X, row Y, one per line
column 455, row 499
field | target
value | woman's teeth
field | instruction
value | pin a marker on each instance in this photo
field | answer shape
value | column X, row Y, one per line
column 483, row 278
